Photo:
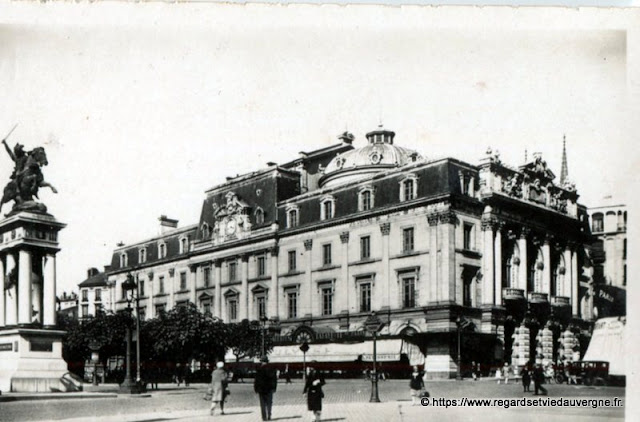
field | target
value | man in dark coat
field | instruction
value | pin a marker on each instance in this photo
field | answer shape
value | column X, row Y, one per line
column 265, row 385
column 526, row 379
column 538, row 379
column 313, row 390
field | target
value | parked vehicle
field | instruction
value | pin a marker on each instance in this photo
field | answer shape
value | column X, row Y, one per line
column 586, row 372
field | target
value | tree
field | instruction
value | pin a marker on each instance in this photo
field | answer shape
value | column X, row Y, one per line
column 245, row 339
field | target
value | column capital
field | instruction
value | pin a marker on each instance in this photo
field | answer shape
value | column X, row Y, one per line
column 244, row 257
column 433, row 219
column 274, row 250
column 385, row 229
column 308, row 244
column 150, row 275
column 344, row 237
column 172, row 271
column 193, row 267
column 489, row 223
column 447, row 217
column 524, row 232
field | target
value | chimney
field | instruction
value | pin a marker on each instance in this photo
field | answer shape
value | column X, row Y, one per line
column 167, row 224
column 92, row 271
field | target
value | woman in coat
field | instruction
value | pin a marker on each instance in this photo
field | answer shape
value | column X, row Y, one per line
column 416, row 384
column 218, row 384
column 313, row 390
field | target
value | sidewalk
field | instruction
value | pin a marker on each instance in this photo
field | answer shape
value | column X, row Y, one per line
column 351, row 412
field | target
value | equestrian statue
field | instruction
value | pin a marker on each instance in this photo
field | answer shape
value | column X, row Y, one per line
column 26, row 178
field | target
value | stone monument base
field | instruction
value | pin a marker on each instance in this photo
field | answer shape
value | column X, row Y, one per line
column 31, row 361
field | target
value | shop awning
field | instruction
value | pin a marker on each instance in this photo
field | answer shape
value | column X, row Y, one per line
column 387, row 350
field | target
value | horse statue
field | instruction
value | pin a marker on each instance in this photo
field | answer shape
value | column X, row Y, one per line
column 26, row 179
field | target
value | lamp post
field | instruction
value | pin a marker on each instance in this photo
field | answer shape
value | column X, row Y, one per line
column 373, row 325
column 129, row 386
column 304, row 348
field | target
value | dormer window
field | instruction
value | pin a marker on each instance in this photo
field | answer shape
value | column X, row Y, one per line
column 206, row 231
column 408, row 188
column 142, row 255
column 365, row 200
column 184, row 245
column 259, row 214
column 292, row 217
column 162, row 250
column 327, row 208
column 124, row 260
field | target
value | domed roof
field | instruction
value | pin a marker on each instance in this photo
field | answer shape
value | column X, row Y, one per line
column 378, row 155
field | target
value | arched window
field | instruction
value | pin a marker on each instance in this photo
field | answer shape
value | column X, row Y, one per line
column 327, row 208
column 610, row 221
column 259, row 214
column 537, row 270
column 206, row 231
column 292, row 217
column 162, row 250
column 184, row 245
column 558, row 284
column 409, row 188
column 124, row 260
column 142, row 255
column 366, row 197
column 597, row 222
column 512, row 268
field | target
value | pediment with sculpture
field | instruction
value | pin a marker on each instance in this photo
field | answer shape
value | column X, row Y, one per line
column 231, row 219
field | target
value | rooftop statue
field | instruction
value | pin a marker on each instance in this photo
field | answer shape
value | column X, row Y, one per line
column 26, row 178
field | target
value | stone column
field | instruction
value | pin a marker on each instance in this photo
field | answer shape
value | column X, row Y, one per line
column 546, row 271
column 448, row 264
column 488, row 290
column 568, row 274
column 575, row 305
column 49, row 287
column 498, row 265
column 344, row 285
column 244, row 294
column 274, row 289
column 433, row 257
column 522, row 267
column 308, row 245
column 24, row 287
column 217, row 295
column 11, row 295
column 2, row 292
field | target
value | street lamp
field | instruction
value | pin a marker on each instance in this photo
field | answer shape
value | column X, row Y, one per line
column 128, row 386
column 262, row 328
column 373, row 325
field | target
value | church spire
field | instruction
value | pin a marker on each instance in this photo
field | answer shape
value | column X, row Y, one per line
column 564, row 171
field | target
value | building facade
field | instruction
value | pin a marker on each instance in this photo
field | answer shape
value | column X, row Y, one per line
column 94, row 294
column 434, row 247
column 68, row 305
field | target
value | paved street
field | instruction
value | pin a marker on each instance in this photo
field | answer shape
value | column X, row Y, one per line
column 344, row 400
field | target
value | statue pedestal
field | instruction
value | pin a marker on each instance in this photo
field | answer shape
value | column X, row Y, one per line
column 30, row 346
column 31, row 361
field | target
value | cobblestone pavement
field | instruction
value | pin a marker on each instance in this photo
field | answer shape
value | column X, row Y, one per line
column 344, row 400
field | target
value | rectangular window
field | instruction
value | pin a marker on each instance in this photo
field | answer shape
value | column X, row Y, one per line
column 328, row 209
column 206, row 276
column 408, row 292
column 85, row 295
column 366, row 201
column 326, row 254
column 98, row 295
column 407, row 240
column 292, row 304
column 141, row 287
column 85, row 311
column 293, row 218
column 365, row 247
column 123, row 294
column 408, row 190
column 206, row 308
column 142, row 313
column 468, row 232
column 292, row 260
column 161, row 285
column 160, row 309
column 262, row 266
column 183, row 281
column 365, row 297
column 261, row 303
column 233, row 271
column 233, row 309
column 327, row 301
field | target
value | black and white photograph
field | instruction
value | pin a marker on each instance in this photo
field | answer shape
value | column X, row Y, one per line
column 316, row 212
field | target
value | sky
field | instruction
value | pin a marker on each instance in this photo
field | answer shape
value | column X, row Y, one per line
column 142, row 107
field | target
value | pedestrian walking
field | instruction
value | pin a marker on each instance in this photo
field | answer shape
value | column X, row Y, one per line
column 287, row 375
column 265, row 385
column 538, row 380
column 187, row 374
column 218, row 380
column 313, row 390
column 526, row 379
column 416, row 385
column 505, row 372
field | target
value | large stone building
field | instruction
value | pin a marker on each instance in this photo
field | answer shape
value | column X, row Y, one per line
column 432, row 246
column 94, row 293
